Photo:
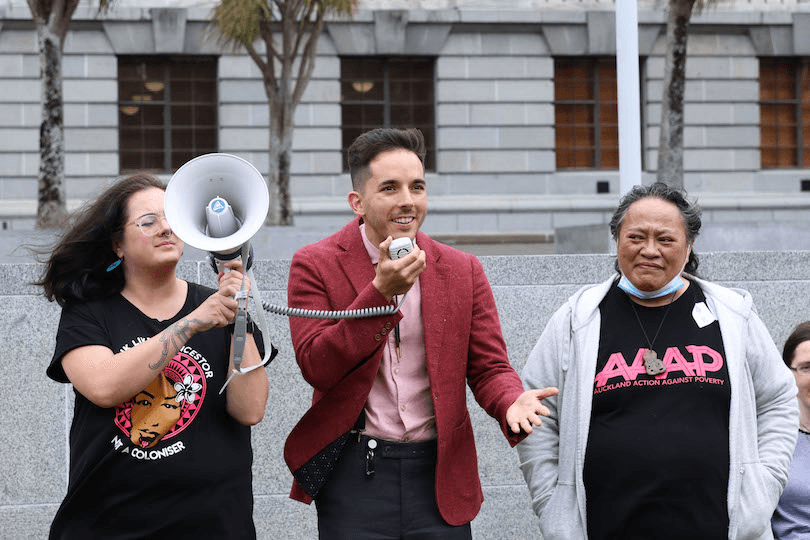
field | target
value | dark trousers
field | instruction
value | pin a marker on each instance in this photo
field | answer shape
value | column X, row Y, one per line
column 397, row 501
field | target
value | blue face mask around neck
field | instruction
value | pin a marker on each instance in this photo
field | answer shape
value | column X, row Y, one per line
column 674, row 284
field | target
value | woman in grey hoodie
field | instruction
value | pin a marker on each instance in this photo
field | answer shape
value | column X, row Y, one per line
column 676, row 417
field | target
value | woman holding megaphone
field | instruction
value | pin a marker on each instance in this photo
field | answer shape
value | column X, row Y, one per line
column 146, row 352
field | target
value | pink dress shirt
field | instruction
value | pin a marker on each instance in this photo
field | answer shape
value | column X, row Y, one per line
column 399, row 406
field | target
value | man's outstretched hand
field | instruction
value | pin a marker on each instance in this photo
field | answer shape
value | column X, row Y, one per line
column 527, row 408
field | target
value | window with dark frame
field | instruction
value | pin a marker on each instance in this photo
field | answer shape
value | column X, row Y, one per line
column 393, row 92
column 784, row 112
column 586, row 114
column 167, row 111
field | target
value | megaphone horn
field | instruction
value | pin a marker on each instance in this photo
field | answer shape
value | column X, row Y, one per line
column 201, row 195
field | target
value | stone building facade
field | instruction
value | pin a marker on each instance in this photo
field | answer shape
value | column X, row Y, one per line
column 495, row 118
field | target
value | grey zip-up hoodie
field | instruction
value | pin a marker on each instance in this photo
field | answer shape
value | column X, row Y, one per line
column 763, row 422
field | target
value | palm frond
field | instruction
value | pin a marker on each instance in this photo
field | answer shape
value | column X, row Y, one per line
column 238, row 21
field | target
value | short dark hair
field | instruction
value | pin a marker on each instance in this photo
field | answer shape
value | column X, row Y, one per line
column 690, row 212
column 76, row 265
column 372, row 143
column 799, row 335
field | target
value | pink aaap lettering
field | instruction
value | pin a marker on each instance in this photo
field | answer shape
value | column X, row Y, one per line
column 616, row 366
column 674, row 361
column 701, row 367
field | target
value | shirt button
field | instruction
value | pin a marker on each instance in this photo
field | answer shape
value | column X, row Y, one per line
column 396, row 371
column 402, row 407
column 406, row 439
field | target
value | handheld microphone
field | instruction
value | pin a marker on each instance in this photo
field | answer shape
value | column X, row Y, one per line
column 400, row 247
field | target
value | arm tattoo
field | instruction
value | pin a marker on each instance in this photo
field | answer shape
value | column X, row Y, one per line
column 172, row 339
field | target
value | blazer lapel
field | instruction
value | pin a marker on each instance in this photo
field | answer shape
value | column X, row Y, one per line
column 354, row 259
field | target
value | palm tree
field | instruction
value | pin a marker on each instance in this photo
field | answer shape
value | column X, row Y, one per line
column 52, row 19
column 670, row 143
column 289, row 30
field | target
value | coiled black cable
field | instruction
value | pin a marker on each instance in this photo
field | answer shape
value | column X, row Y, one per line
column 363, row 313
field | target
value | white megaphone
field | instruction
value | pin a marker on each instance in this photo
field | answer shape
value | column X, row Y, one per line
column 216, row 203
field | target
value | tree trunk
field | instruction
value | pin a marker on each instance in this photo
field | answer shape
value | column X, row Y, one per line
column 274, row 211
column 282, row 109
column 51, row 207
column 285, row 198
column 670, row 144
column 290, row 31
column 278, row 175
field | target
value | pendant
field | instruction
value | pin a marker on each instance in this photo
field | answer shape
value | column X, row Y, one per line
column 652, row 364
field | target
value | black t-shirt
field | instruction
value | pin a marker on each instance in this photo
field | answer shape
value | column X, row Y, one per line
column 657, row 459
column 168, row 463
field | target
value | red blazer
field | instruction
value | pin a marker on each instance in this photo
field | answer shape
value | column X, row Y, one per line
column 340, row 359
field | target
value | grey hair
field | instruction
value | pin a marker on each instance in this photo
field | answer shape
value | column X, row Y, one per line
column 690, row 212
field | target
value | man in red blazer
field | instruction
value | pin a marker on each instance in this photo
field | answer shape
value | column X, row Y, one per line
column 387, row 448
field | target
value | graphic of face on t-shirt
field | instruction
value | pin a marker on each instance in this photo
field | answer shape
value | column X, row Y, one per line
column 154, row 412
column 165, row 407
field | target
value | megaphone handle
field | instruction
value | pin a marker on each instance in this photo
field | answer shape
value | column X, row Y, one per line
column 217, row 260
column 219, row 265
column 239, row 333
column 240, row 323
column 239, row 337
column 240, row 326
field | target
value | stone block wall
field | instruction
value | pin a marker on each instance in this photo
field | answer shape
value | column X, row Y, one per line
column 37, row 412
column 494, row 91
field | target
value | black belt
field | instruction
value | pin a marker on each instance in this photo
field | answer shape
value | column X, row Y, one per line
column 399, row 450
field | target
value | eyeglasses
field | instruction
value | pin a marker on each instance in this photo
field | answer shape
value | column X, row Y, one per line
column 804, row 369
column 150, row 224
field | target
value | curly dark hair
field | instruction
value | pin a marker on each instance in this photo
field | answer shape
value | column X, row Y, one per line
column 690, row 212
column 372, row 143
column 799, row 335
column 76, row 265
